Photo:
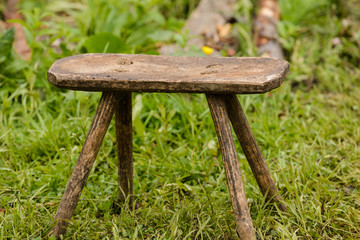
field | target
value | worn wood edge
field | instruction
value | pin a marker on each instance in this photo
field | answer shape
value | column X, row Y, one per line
column 66, row 81
column 163, row 87
column 157, row 56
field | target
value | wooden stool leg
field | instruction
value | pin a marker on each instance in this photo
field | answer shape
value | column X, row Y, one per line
column 252, row 151
column 85, row 162
column 220, row 117
column 123, row 120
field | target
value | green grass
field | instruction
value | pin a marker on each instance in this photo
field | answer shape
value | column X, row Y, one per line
column 308, row 131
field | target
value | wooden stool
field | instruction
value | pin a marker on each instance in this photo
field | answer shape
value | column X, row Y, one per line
column 118, row 75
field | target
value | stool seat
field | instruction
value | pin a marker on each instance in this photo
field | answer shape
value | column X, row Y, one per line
column 149, row 73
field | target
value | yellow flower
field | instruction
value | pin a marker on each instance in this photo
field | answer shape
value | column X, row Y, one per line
column 207, row 50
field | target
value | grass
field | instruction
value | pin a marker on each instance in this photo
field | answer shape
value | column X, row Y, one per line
column 308, row 131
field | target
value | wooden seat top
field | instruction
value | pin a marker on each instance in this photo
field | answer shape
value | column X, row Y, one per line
column 148, row 73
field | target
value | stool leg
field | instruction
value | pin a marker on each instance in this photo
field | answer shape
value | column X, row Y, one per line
column 252, row 151
column 220, row 117
column 123, row 120
column 85, row 162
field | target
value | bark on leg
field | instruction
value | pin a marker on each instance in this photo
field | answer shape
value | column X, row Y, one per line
column 123, row 120
column 252, row 151
column 220, row 117
column 85, row 162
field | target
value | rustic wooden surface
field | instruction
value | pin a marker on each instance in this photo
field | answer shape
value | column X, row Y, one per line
column 99, row 126
column 252, row 151
column 221, row 120
column 147, row 73
column 124, row 137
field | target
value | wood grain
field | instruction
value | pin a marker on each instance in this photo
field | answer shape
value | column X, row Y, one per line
column 124, row 137
column 147, row 73
column 78, row 178
column 252, row 151
column 220, row 117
